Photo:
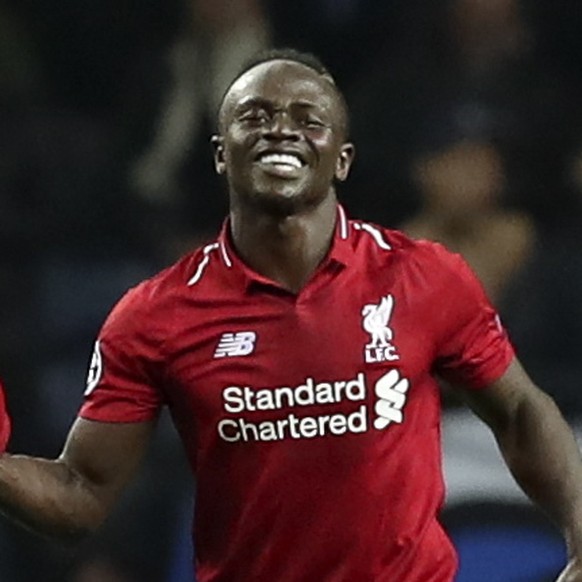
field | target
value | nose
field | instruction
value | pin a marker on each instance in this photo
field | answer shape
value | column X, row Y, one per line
column 282, row 126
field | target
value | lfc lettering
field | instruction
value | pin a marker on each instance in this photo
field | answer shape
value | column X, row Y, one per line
column 382, row 354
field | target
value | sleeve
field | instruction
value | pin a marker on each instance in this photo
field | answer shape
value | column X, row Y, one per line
column 474, row 349
column 124, row 377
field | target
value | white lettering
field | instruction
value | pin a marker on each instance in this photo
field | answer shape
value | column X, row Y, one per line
column 237, row 399
column 281, row 424
column 246, row 427
column 321, row 422
column 265, row 400
column 337, row 389
column 308, row 427
column 381, row 354
column 304, row 394
column 324, row 393
column 223, row 434
column 390, row 391
column 233, row 399
column 356, row 389
column 357, row 421
column 248, row 396
column 281, row 393
column 338, row 424
column 267, row 431
column 293, row 426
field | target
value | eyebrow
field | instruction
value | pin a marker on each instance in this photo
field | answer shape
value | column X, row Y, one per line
column 306, row 104
column 252, row 102
column 260, row 102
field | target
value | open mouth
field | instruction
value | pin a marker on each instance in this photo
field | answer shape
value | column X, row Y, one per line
column 285, row 163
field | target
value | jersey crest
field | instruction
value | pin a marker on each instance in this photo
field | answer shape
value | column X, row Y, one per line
column 376, row 322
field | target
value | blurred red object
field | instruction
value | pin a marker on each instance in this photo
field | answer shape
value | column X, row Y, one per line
column 5, row 423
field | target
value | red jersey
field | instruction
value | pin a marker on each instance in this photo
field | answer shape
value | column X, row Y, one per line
column 312, row 420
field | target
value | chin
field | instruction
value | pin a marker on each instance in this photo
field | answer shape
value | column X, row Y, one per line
column 280, row 203
column 279, row 199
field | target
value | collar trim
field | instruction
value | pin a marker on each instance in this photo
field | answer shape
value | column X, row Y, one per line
column 223, row 251
column 341, row 251
column 344, row 227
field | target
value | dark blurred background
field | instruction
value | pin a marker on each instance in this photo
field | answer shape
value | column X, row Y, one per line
column 468, row 126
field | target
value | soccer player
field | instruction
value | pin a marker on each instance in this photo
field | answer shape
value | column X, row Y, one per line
column 297, row 354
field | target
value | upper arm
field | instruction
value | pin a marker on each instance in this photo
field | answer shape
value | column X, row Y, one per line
column 122, row 400
column 105, row 455
column 500, row 402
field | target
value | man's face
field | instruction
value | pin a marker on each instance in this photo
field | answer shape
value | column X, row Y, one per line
column 281, row 142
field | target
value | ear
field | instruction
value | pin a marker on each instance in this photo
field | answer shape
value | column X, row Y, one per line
column 344, row 161
column 217, row 142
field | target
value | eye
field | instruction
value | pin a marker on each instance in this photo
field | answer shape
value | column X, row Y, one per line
column 313, row 122
column 254, row 116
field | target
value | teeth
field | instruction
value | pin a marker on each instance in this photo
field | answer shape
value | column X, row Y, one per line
column 286, row 159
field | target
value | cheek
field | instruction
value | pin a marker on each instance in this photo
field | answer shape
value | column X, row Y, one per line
column 238, row 142
column 236, row 156
column 328, row 152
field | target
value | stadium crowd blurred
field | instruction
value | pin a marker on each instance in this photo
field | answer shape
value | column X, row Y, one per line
column 466, row 118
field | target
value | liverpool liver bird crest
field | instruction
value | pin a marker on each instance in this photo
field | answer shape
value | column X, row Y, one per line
column 376, row 318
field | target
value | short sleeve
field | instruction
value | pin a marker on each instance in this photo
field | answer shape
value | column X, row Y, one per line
column 124, row 377
column 474, row 348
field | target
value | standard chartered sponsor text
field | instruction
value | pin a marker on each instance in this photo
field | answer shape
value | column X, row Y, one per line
column 238, row 400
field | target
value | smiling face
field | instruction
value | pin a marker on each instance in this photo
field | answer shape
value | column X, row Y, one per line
column 282, row 138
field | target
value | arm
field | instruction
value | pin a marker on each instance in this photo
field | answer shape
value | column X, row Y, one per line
column 72, row 495
column 540, row 451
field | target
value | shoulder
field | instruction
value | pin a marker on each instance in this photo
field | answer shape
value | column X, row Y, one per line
column 418, row 264
column 153, row 299
column 420, row 252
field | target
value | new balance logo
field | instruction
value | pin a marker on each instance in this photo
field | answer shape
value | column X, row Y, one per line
column 236, row 344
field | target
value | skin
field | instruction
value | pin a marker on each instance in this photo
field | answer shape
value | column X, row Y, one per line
column 282, row 226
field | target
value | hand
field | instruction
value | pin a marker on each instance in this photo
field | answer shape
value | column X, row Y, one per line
column 5, row 423
column 572, row 572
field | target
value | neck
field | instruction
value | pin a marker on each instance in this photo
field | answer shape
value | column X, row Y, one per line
column 285, row 249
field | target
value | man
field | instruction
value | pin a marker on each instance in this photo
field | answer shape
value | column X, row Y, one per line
column 297, row 355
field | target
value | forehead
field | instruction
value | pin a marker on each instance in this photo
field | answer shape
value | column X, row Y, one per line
column 281, row 83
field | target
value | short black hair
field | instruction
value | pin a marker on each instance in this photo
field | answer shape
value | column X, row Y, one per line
column 300, row 57
column 286, row 54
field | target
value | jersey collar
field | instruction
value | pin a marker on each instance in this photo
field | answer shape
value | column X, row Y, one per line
column 341, row 252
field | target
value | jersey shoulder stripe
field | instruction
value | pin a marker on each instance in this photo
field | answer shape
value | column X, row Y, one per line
column 375, row 232
column 207, row 253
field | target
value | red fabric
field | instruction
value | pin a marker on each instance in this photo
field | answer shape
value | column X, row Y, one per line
column 5, row 423
column 309, row 463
